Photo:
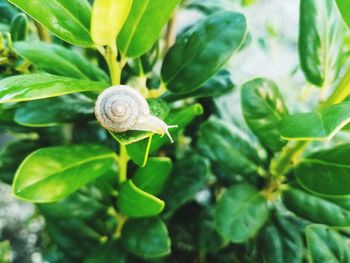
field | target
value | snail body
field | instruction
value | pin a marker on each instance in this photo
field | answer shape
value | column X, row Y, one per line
column 122, row 108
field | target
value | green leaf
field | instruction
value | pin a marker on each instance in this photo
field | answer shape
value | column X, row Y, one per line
column 107, row 20
column 263, row 108
column 344, row 8
column 322, row 125
column 281, row 242
column 187, row 178
column 59, row 110
column 180, row 117
column 41, row 86
column 59, row 60
column 146, row 238
column 109, row 252
column 240, row 212
column 67, row 19
column 223, row 143
column 159, row 109
column 200, row 52
column 134, row 203
column 326, row 245
column 326, row 172
column 153, row 176
column 144, row 25
column 315, row 208
column 19, row 28
column 5, row 250
column 320, row 41
column 218, row 85
column 138, row 151
column 53, row 173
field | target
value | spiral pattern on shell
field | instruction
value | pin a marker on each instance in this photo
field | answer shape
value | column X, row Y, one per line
column 118, row 108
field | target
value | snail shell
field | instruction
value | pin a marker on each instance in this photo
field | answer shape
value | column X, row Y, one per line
column 122, row 108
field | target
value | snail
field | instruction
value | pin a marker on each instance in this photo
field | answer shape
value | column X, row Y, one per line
column 122, row 108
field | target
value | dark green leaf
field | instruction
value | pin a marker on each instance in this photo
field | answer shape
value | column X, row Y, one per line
column 144, row 25
column 67, row 19
column 134, row 203
column 153, row 176
column 326, row 172
column 322, row 125
column 202, row 51
column 19, row 28
column 227, row 146
column 138, row 151
column 240, row 212
column 53, row 173
column 320, row 41
column 109, row 252
column 41, row 86
column 147, row 238
column 326, row 245
column 59, row 60
column 263, row 108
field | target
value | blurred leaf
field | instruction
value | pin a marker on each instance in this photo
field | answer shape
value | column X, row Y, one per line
column 227, row 146
column 19, row 28
column 207, row 7
column 326, row 172
column 322, row 125
column 5, row 250
column 138, row 151
column 187, row 178
column 7, row 12
column 263, row 108
column 321, row 39
column 218, row 85
column 153, row 176
column 109, row 252
column 67, row 19
column 240, row 212
column 108, row 18
column 144, row 25
column 281, row 242
column 59, row 60
column 344, row 8
column 147, row 238
column 315, row 208
column 200, row 53
column 53, row 173
column 326, row 245
column 58, row 110
column 134, row 202
column 41, row 86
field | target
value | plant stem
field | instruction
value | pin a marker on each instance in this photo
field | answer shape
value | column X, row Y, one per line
column 113, row 65
column 123, row 163
column 43, row 33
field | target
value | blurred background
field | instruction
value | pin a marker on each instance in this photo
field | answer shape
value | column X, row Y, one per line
column 270, row 52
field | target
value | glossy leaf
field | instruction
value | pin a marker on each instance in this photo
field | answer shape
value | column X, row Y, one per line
column 240, row 212
column 218, row 85
column 19, row 28
column 320, row 41
column 53, row 173
column 108, row 18
column 281, row 242
column 180, row 117
column 147, row 238
column 326, row 245
column 263, row 108
column 316, row 208
column 322, row 125
column 227, row 146
column 71, row 18
column 41, row 86
column 58, row 60
column 134, row 203
column 326, row 172
column 109, row 252
column 187, row 178
column 200, row 52
column 344, row 8
column 59, row 110
column 144, row 25
column 153, row 176
column 5, row 251
column 138, row 151
column 159, row 109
